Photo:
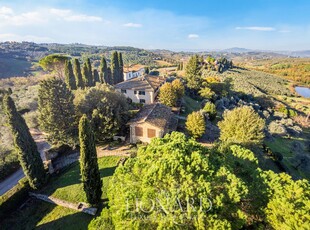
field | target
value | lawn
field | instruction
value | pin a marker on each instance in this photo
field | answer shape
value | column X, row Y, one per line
column 66, row 186
column 190, row 105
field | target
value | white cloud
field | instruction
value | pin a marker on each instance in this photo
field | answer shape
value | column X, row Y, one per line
column 39, row 17
column 20, row 38
column 5, row 10
column 134, row 25
column 193, row 36
column 8, row 17
column 256, row 28
column 68, row 15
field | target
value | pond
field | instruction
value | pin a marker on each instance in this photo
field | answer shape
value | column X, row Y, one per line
column 303, row 91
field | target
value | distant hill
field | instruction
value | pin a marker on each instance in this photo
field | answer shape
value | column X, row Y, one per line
column 300, row 53
column 236, row 50
column 20, row 58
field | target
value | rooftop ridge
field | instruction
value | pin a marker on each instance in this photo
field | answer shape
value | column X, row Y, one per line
column 146, row 117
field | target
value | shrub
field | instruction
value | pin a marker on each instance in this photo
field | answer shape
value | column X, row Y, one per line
column 206, row 93
column 210, row 109
column 242, row 126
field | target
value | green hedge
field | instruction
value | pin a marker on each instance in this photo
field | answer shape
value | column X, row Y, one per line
column 14, row 198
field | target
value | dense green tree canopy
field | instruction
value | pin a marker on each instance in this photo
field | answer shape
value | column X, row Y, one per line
column 107, row 109
column 54, row 63
column 175, row 183
column 193, row 73
column 56, row 112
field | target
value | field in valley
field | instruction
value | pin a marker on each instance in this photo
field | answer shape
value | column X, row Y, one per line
column 296, row 70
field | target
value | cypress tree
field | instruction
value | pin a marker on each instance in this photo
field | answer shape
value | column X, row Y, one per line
column 114, row 68
column 109, row 76
column 147, row 70
column 85, row 75
column 78, row 74
column 193, row 73
column 88, row 162
column 89, row 73
column 56, row 112
column 121, row 67
column 103, row 71
column 26, row 148
column 96, row 77
column 69, row 76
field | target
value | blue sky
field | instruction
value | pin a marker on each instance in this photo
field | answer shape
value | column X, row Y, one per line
column 174, row 25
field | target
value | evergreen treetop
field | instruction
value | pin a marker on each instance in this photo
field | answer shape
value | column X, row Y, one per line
column 88, row 162
column 25, row 146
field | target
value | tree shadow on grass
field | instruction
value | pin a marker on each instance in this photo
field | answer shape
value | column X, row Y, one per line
column 106, row 172
column 73, row 221
column 37, row 210
column 20, row 218
column 69, row 176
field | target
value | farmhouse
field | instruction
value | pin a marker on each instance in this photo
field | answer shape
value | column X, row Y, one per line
column 133, row 71
column 141, row 89
column 153, row 120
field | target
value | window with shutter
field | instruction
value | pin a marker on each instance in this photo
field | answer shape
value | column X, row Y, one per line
column 139, row 131
column 151, row 133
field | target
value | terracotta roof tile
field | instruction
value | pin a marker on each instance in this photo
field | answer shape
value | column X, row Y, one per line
column 157, row 114
column 146, row 82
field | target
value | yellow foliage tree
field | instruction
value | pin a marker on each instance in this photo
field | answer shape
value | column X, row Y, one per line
column 195, row 124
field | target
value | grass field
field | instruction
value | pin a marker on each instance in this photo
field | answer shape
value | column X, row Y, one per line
column 66, row 186
column 163, row 63
column 289, row 148
column 294, row 69
column 190, row 105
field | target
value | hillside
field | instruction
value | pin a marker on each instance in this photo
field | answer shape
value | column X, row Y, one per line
column 20, row 59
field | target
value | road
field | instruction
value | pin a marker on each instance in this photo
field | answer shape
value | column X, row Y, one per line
column 12, row 180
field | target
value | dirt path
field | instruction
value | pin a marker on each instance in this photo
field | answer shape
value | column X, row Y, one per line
column 12, row 180
column 123, row 151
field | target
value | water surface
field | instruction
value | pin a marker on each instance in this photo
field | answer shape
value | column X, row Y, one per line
column 303, row 91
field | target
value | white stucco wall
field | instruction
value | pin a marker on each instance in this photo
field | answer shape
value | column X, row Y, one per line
column 130, row 75
column 144, row 138
column 148, row 97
